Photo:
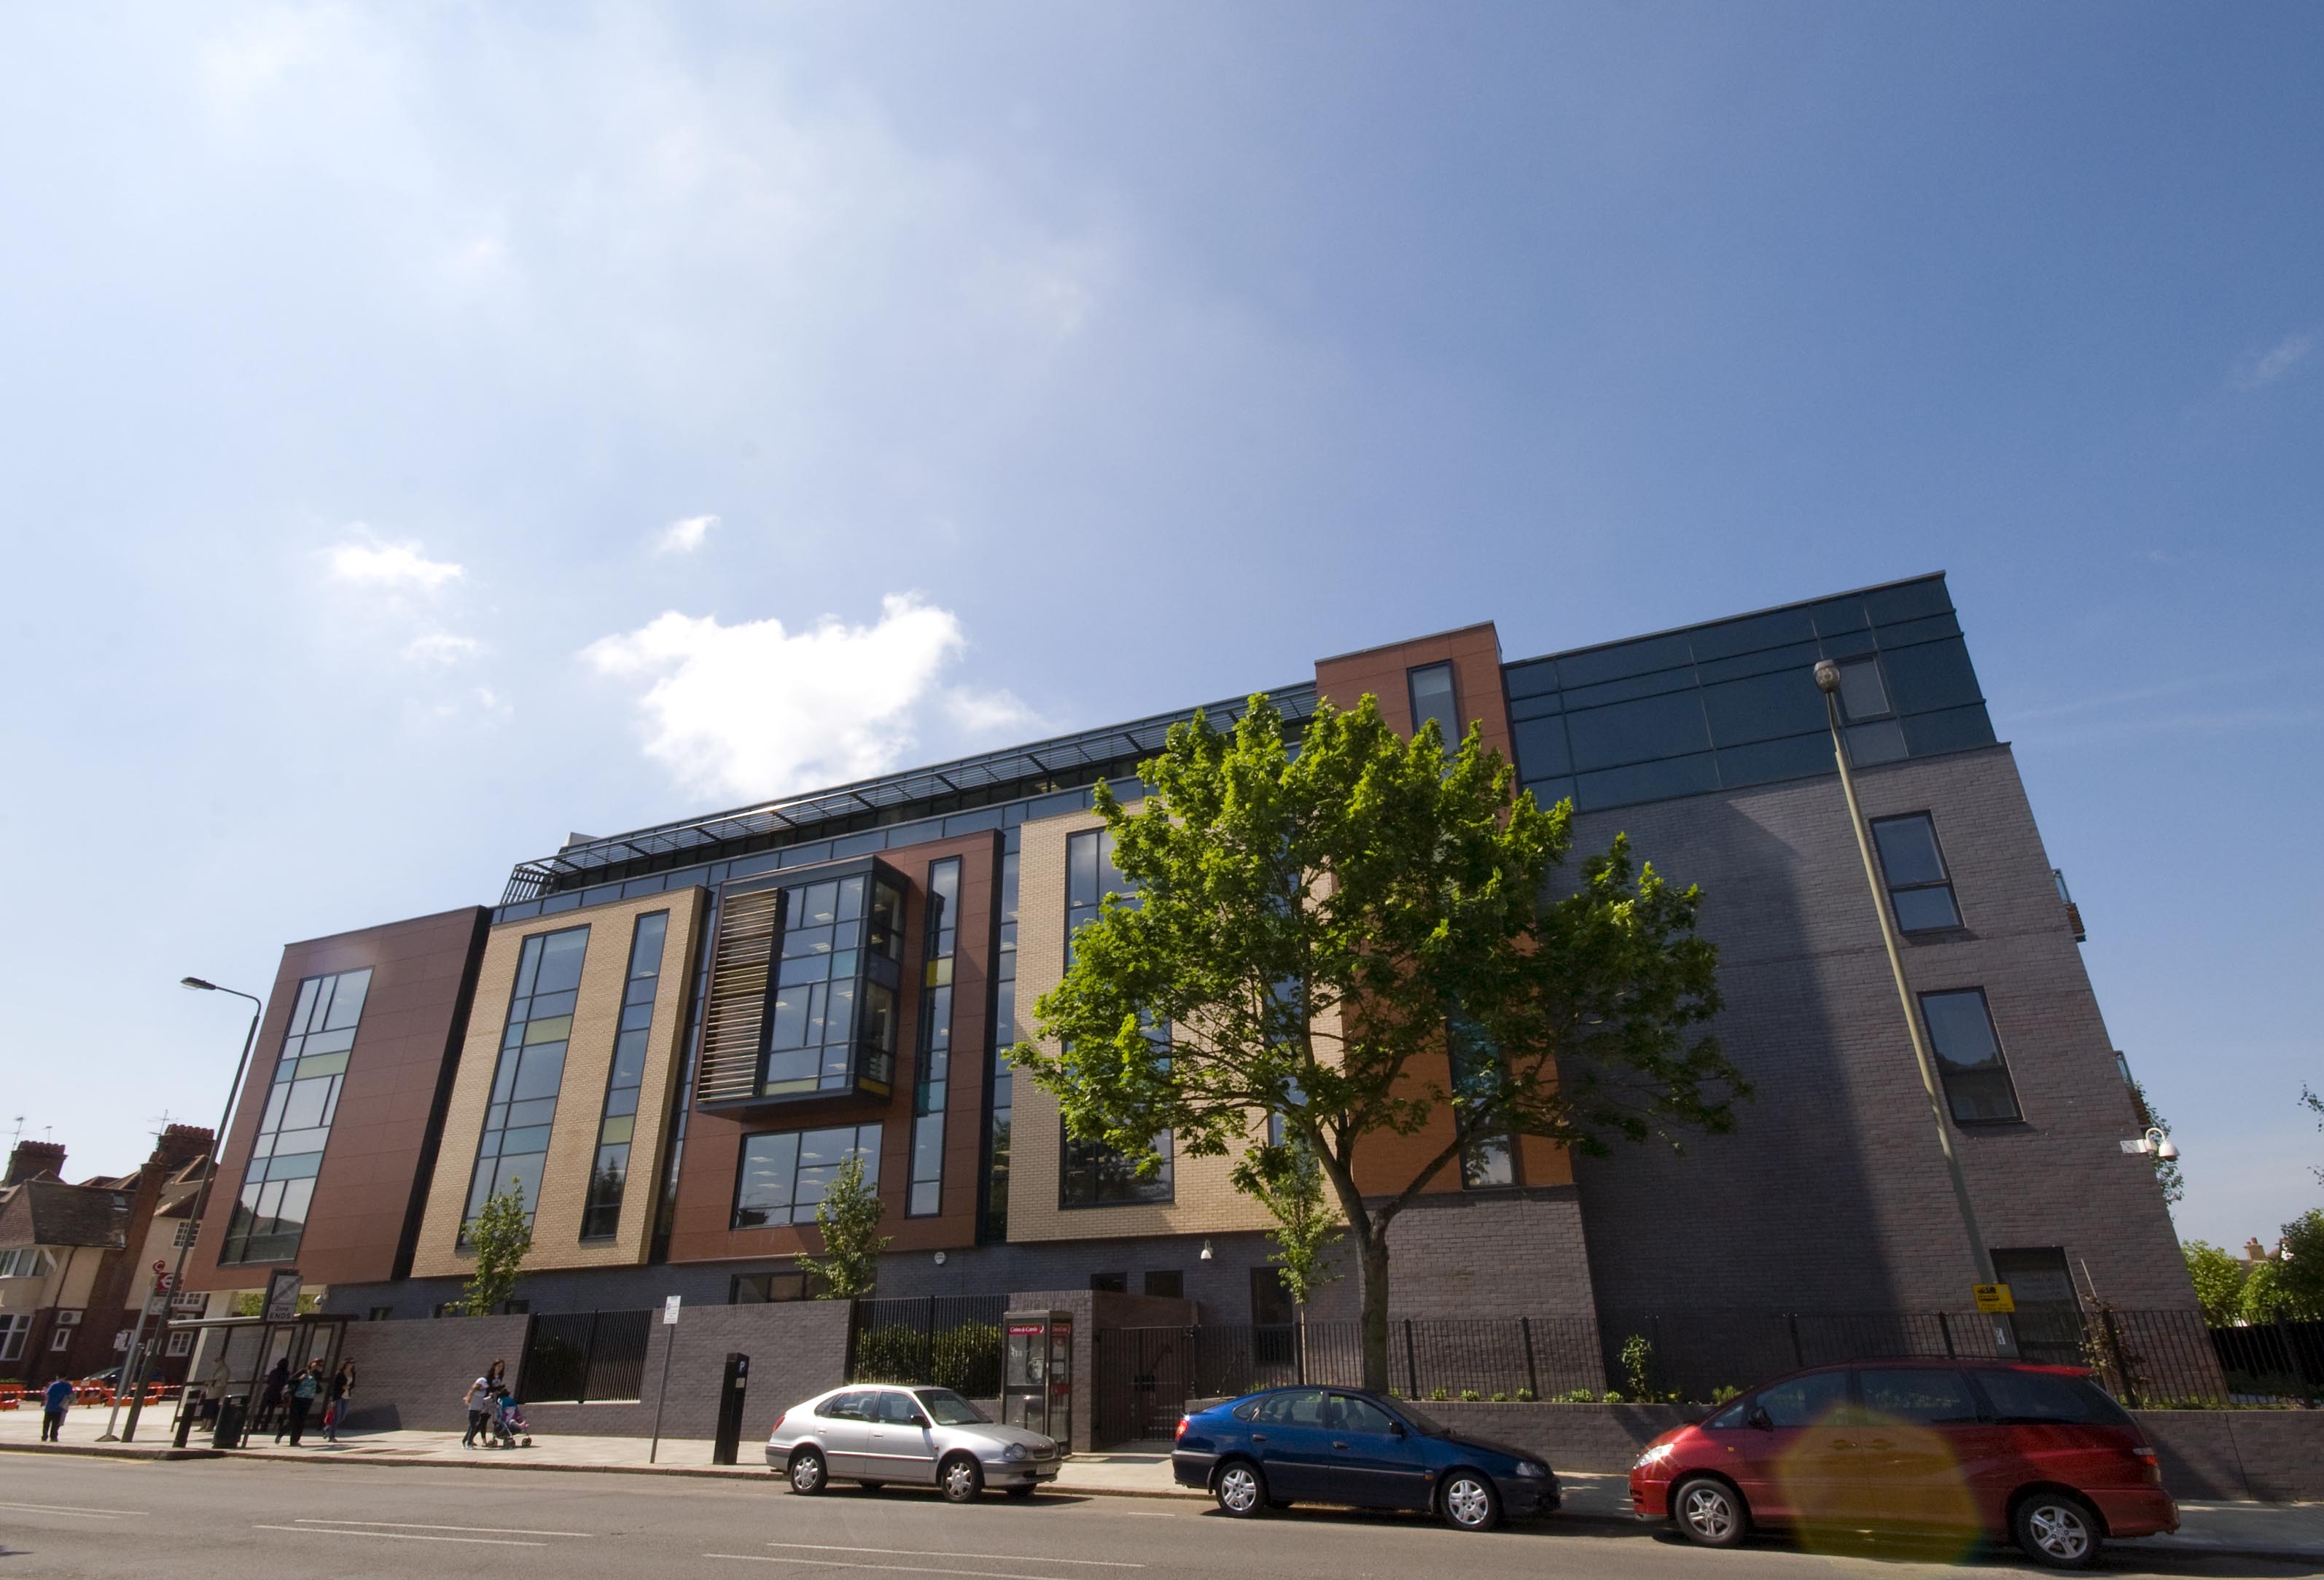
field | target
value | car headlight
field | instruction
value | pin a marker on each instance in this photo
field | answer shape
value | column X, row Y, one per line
column 1527, row 1467
column 1014, row 1452
column 1656, row 1454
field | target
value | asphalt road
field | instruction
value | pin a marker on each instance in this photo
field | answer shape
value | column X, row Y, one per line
column 263, row 1520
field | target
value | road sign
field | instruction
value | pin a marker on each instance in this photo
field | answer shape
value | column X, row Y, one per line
column 669, row 1312
column 161, row 1279
column 281, row 1303
column 1994, row 1297
column 160, row 1266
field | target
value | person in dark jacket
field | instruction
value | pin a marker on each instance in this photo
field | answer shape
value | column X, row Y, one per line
column 335, row 1407
column 304, row 1392
column 270, row 1396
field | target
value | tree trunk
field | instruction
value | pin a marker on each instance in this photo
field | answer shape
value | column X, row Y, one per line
column 1374, row 1250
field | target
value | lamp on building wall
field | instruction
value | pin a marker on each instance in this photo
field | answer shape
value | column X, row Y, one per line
column 133, row 1370
column 1206, row 1251
column 1827, row 679
column 2155, row 1142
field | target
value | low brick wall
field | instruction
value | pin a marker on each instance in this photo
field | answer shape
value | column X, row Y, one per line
column 797, row 1348
column 2276, row 1455
column 415, row 1374
column 1588, row 1437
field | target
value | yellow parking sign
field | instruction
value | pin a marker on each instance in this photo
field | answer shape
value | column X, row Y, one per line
column 1994, row 1297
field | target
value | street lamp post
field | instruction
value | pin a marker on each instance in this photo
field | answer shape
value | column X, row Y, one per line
column 1827, row 679
column 137, row 1356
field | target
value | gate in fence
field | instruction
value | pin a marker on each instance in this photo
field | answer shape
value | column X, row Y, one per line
column 585, row 1355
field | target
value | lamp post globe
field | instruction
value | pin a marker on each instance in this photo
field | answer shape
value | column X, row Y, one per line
column 1827, row 675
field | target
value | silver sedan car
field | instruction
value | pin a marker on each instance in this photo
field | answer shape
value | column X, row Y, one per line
column 874, row 1434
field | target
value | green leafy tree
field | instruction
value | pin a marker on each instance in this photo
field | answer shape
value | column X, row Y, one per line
column 2300, row 1267
column 849, row 1217
column 1313, row 927
column 2166, row 1169
column 1286, row 1180
column 499, row 1236
column 2218, row 1277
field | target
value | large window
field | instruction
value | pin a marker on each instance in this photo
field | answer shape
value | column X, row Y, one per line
column 785, row 1175
column 1969, row 1056
column 1919, row 886
column 277, row 1188
column 1433, row 697
column 1004, row 1035
column 835, row 1024
column 1487, row 1162
column 934, row 1077
column 26, row 1262
column 1092, row 1173
column 609, row 1173
column 14, row 1328
column 529, row 1071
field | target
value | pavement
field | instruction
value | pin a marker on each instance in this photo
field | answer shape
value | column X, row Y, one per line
column 2290, row 1532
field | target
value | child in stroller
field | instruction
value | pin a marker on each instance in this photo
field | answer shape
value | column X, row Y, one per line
column 509, row 1425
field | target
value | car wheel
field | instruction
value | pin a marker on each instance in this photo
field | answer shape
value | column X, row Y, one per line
column 2057, row 1529
column 808, row 1473
column 1019, row 1493
column 1709, row 1513
column 1241, row 1490
column 1469, row 1502
column 960, row 1479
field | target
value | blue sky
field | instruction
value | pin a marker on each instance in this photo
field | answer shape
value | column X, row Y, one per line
column 430, row 430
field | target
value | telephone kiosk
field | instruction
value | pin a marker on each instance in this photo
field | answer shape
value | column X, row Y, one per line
column 1037, row 1375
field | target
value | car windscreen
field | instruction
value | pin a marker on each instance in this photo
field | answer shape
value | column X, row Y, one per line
column 1421, row 1422
column 948, row 1408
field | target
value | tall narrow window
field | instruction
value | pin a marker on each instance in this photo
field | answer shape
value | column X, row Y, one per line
column 1875, row 735
column 1969, row 1056
column 784, row 1175
column 1094, row 1174
column 1004, row 1035
column 608, row 1174
column 1919, row 887
column 531, row 1069
column 271, row 1215
column 1432, row 698
column 1487, row 1161
column 934, row 1078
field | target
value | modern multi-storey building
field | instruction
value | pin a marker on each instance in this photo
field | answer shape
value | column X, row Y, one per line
column 670, row 1039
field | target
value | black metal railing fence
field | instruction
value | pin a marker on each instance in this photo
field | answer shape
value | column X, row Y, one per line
column 947, row 1341
column 583, row 1356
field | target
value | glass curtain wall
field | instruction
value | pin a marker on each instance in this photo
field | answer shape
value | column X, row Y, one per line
column 1094, row 1174
column 833, row 1025
column 531, row 1069
column 609, row 1173
column 271, row 1215
column 1004, row 1036
column 933, row 1079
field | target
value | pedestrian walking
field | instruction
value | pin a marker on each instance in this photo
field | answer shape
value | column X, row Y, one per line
column 335, row 1410
column 55, row 1399
column 480, row 1411
column 304, row 1392
column 270, row 1396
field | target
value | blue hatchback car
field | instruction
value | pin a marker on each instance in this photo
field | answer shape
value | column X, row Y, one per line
column 1343, row 1445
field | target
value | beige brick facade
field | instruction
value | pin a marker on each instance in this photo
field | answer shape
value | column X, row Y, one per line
column 1205, row 1200
column 581, row 1095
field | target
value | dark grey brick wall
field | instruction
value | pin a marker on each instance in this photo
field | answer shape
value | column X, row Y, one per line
column 1831, row 1195
column 797, row 1349
column 416, row 1374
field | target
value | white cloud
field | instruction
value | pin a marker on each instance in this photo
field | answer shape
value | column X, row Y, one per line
column 684, row 537
column 392, row 565
column 441, row 647
column 754, row 710
column 2259, row 370
column 992, row 712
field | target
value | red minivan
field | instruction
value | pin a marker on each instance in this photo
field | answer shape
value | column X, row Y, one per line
column 2037, row 1452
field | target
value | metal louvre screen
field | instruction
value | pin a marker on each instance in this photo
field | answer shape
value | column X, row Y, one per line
column 585, row 1355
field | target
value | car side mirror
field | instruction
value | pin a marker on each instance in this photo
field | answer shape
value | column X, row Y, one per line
column 1395, row 1429
column 1760, row 1418
column 922, row 1422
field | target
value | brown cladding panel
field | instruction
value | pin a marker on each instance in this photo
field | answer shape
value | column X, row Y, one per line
column 700, row 1230
column 373, row 1163
column 1387, row 1162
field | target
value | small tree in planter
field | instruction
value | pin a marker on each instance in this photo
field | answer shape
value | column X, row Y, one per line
column 500, row 1235
column 849, row 1219
column 1288, row 1182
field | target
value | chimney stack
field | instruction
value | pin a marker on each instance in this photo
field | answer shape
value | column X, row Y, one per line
column 35, row 1157
column 180, row 1144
